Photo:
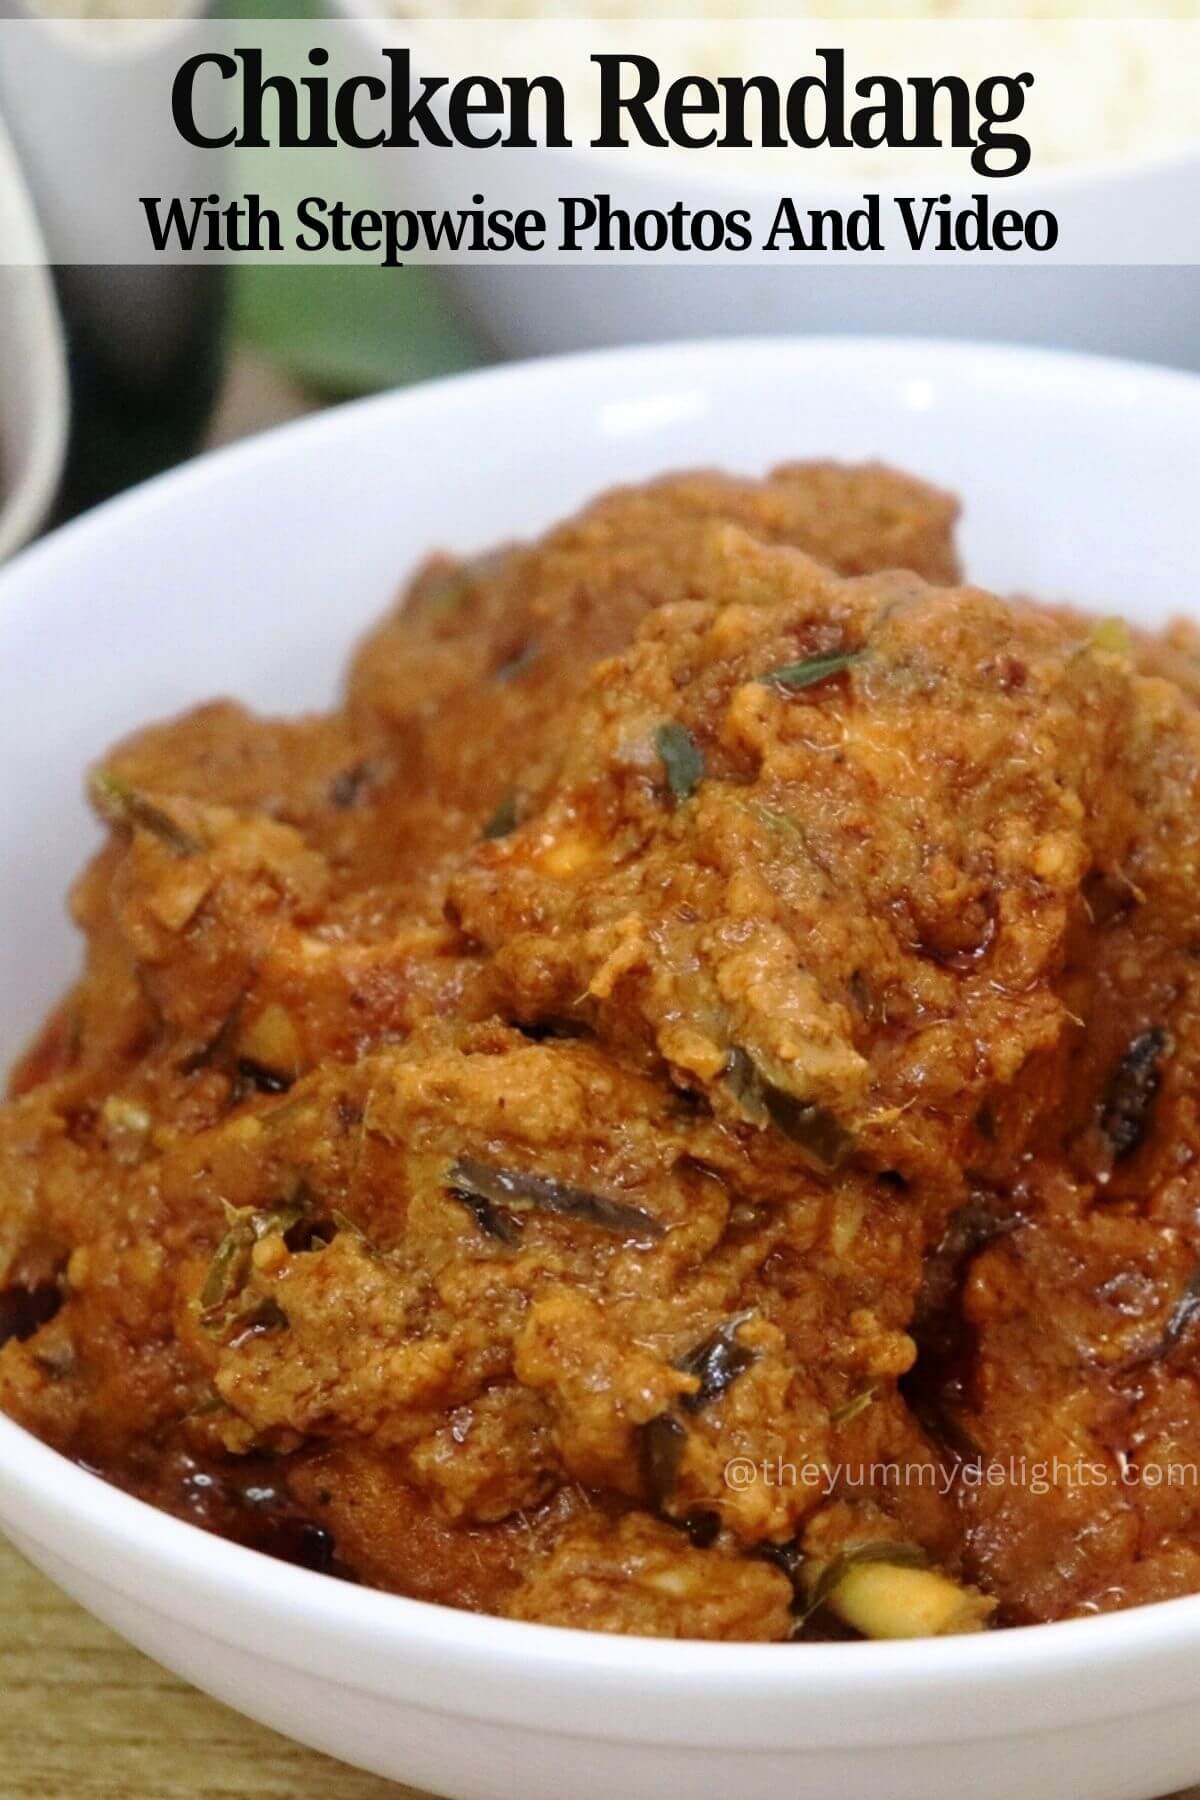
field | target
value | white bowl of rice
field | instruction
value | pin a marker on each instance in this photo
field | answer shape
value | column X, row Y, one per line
column 1119, row 140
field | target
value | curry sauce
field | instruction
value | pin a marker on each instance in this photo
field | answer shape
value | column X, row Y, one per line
column 672, row 1110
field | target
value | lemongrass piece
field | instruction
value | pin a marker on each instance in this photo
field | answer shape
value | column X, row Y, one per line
column 884, row 1600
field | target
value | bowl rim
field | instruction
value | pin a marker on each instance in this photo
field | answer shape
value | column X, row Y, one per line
column 1005, row 360
column 470, row 1661
column 450, row 1660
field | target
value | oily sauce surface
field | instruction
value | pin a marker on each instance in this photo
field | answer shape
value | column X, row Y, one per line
column 618, row 1123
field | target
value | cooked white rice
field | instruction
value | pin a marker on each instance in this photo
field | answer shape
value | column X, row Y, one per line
column 1108, row 85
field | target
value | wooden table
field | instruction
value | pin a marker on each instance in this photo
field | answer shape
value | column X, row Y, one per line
column 84, row 1717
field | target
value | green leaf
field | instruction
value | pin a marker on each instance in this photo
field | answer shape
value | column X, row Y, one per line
column 781, row 823
column 814, row 1128
column 1182, row 1317
column 519, row 1190
column 853, row 1408
column 503, row 820
column 682, row 758
column 716, row 1362
column 230, row 1267
column 345, row 328
column 661, row 1442
column 515, row 665
column 797, row 675
column 121, row 804
column 898, row 1555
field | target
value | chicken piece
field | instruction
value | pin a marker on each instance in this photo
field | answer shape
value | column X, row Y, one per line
column 636, row 1575
column 821, row 849
column 473, row 674
column 512, row 1267
column 1064, row 1359
column 218, row 961
column 275, row 888
column 544, row 1247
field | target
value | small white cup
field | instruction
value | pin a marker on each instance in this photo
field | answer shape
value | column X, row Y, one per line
column 33, row 371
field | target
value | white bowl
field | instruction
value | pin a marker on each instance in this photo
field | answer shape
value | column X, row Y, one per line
column 251, row 571
column 33, row 370
column 1149, row 312
column 531, row 309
